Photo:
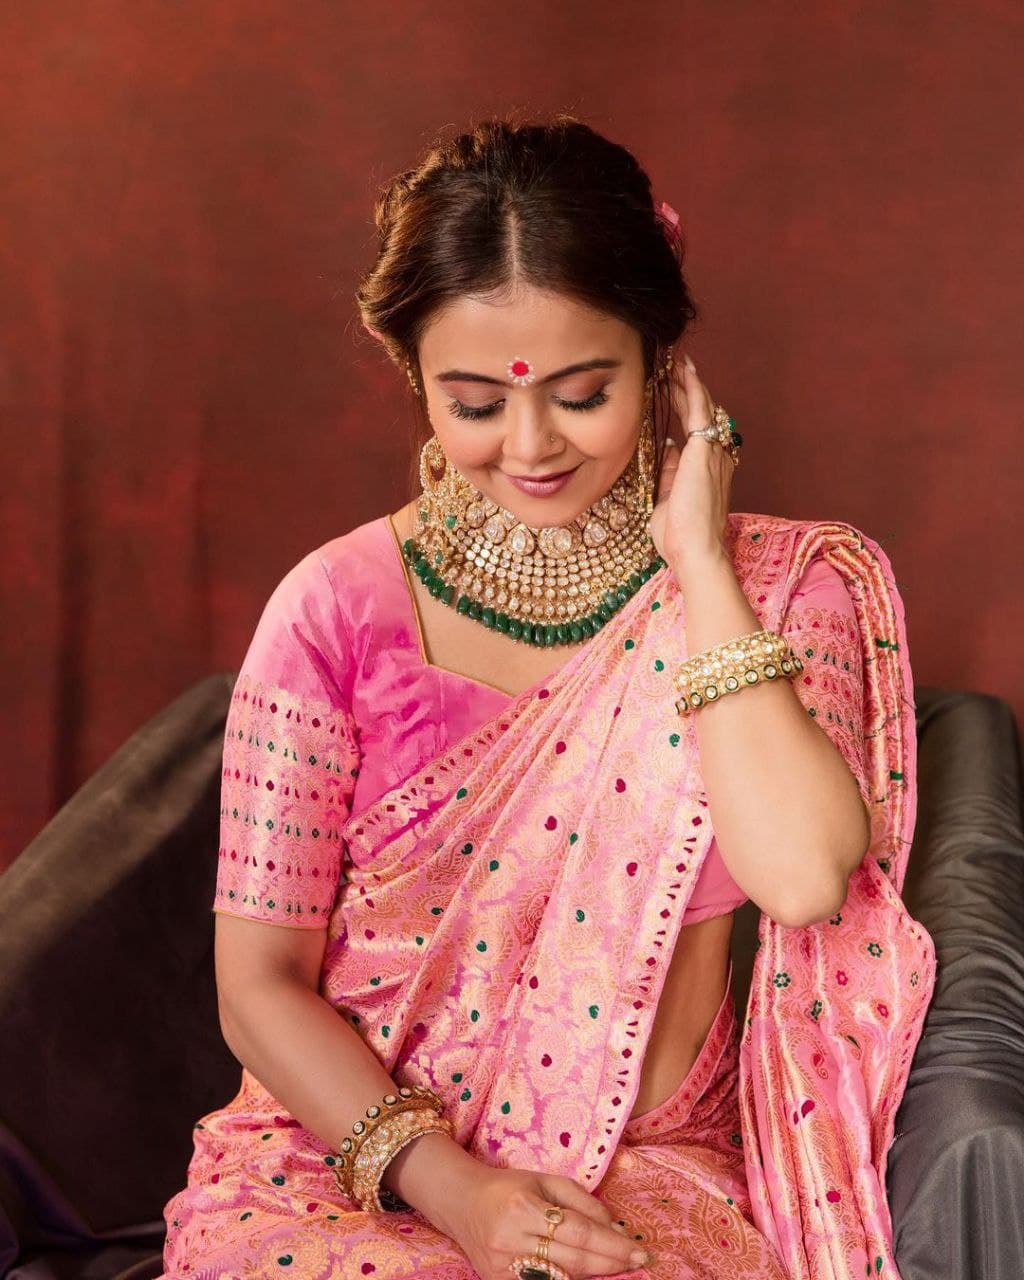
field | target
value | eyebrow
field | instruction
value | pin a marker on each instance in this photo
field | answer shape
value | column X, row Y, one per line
column 461, row 375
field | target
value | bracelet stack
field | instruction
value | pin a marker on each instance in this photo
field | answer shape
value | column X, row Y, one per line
column 389, row 1126
column 736, row 664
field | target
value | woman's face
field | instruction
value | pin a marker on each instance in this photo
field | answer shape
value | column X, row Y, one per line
column 581, row 413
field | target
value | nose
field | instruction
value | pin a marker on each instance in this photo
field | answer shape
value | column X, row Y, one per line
column 528, row 436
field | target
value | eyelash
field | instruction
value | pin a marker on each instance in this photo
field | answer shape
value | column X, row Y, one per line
column 461, row 410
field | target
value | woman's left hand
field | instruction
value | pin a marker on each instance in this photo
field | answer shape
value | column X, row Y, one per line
column 689, row 520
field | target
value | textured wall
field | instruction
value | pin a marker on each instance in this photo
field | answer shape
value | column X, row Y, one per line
column 188, row 406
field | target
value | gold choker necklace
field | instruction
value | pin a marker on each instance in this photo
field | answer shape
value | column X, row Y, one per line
column 556, row 584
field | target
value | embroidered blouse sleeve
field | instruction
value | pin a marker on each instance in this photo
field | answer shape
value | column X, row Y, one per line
column 821, row 626
column 290, row 759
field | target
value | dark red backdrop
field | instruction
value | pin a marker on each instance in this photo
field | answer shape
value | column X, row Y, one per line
column 188, row 406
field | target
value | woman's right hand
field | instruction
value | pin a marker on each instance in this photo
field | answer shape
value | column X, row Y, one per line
column 500, row 1214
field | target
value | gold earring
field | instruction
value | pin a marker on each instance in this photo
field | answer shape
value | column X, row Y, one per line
column 413, row 380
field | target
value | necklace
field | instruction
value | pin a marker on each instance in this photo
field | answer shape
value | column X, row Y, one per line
column 555, row 584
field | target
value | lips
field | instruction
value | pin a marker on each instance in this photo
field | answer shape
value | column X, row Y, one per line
column 551, row 475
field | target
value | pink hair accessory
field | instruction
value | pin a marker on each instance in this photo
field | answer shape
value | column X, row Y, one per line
column 670, row 222
column 520, row 371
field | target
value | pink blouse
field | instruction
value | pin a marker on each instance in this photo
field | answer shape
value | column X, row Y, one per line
column 341, row 631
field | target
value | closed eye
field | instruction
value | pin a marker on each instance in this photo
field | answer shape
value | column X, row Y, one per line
column 461, row 410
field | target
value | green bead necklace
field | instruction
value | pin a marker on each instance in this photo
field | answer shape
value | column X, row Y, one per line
column 524, row 630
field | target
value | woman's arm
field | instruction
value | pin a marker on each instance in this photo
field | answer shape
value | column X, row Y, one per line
column 787, row 809
column 312, row 1061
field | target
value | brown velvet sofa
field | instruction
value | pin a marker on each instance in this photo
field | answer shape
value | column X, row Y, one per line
column 110, row 1047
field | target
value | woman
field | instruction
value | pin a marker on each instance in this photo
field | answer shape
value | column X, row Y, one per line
column 483, row 830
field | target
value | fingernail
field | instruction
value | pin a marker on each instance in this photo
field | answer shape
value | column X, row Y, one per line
column 687, row 361
column 638, row 1258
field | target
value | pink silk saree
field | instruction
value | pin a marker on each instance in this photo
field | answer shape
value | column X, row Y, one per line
column 502, row 930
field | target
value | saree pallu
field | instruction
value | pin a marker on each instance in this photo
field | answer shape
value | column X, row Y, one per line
column 503, row 934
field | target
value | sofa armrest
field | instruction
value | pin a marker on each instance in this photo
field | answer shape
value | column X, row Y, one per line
column 956, row 1166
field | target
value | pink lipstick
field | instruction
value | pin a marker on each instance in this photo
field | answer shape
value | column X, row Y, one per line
column 542, row 488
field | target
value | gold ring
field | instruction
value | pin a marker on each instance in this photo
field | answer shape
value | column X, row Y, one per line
column 542, row 1246
column 526, row 1266
column 555, row 1215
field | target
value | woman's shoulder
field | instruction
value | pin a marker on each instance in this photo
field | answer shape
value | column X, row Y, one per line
column 758, row 525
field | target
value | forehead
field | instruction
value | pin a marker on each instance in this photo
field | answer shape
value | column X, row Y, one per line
column 548, row 329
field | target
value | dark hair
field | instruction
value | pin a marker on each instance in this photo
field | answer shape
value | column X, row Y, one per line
column 553, row 204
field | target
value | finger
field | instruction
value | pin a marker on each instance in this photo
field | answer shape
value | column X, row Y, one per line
column 584, row 1247
column 669, row 467
column 575, row 1198
column 697, row 396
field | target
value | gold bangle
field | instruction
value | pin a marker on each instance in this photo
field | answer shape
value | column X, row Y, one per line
column 405, row 1098
column 388, row 1138
column 737, row 664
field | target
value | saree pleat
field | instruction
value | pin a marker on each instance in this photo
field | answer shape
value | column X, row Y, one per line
column 503, row 933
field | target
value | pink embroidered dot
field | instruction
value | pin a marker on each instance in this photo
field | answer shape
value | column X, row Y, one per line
column 311, row 1207
column 518, row 367
column 367, row 1268
column 551, row 822
column 370, row 933
column 315, row 722
column 883, row 1009
column 616, row 711
column 534, row 984
column 631, row 868
column 620, row 784
column 559, row 748
column 807, row 1106
column 314, row 795
column 270, row 786
column 545, row 1060
column 841, row 977
column 696, row 821
column 565, row 1139
column 680, row 866
column 832, row 1196
column 543, row 693
column 270, row 866
column 273, row 706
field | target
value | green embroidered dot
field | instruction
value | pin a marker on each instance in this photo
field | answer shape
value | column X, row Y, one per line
column 419, row 939
column 264, row 1137
column 270, row 746
column 457, row 1077
column 655, row 605
column 375, row 982
column 781, row 979
column 474, row 1015
column 493, row 865
column 673, row 739
column 285, row 1260
column 247, row 1214
column 593, row 1010
column 728, row 1200
column 330, row 1160
column 461, row 793
column 385, row 1032
column 333, row 1217
column 895, row 775
column 878, row 1265
column 270, row 902
column 506, row 1107
column 874, row 949
column 465, row 1095
column 481, row 946
column 467, row 847
column 580, row 914
column 629, row 644
column 436, row 911
column 573, row 837
column 278, row 1179
column 659, row 665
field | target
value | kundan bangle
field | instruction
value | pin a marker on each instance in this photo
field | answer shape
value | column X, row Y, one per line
column 736, row 664
column 408, row 1097
column 388, row 1138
